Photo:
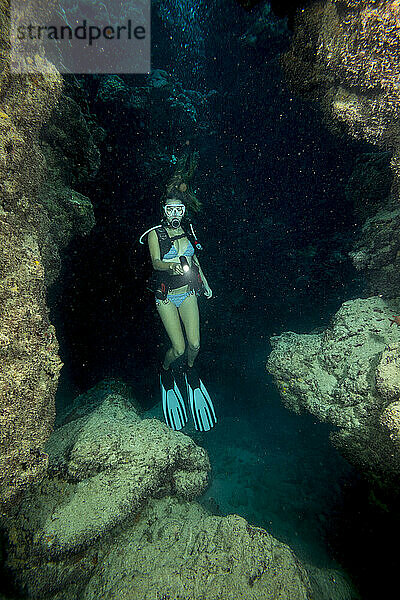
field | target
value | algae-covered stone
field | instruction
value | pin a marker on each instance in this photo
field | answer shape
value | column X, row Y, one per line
column 177, row 550
column 388, row 373
column 346, row 376
column 174, row 549
column 29, row 362
column 46, row 144
column 330, row 584
column 377, row 252
column 104, row 466
column 105, row 463
column 390, row 419
column 113, row 519
column 345, row 54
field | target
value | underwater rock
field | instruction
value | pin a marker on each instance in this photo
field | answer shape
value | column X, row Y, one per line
column 344, row 376
column 182, row 112
column 29, row 362
column 391, row 420
column 39, row 214
column 69, row 144
column 185, row 110
column 102, row 467
column 161, row 81
column 267, row 31
column 328, row 583
column 160, row 114
column 179, row 551
column 88, row 402
column 349, row 53
column 115, row 518
column 113, row 90
column 377, row 252
column 368, row 188
column 172, row 549
column 388, row 385
column 70, row 213
column 346, row 55
column 73, row 136
column 388, row 373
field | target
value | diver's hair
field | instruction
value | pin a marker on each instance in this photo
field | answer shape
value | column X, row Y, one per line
column 178, row 186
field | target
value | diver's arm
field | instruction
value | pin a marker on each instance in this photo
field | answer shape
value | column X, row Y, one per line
column 158, row 264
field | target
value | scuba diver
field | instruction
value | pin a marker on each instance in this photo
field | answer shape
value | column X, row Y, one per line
column 177, row 281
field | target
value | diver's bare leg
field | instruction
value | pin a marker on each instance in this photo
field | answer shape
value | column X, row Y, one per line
column 170, row 318
column 189, row 312
column 192, row 354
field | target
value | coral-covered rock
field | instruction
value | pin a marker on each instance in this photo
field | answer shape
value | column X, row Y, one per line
column 172, row 549
column 368, row 188
column 177, row 550
column 111, row 450
column 266, row 31
column 330, row 583
column 69, row 144
column 345, row 376
column 388, row 373
column 113, row 518
column 158, row 111
column 72, row 137
column 113, row 90
column 346, row 55
column 377, row 252
column 391, row 420
column 39, row 214
column 29, row 362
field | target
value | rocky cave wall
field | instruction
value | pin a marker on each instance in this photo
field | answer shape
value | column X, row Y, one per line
column 345, row 56
column 39, row 213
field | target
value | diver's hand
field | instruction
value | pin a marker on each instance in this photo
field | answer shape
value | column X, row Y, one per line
column 208, row 291
column 176, row 269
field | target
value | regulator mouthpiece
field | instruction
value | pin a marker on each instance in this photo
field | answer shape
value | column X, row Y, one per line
column 175, row 222
column 174, row 212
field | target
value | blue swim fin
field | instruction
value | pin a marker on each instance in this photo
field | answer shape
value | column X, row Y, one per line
column 173, row 404
column 200, row 403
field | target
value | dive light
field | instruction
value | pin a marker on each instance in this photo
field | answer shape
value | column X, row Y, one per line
column 184, row 264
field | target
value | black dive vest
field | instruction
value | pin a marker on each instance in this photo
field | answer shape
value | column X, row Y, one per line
column 161, row 282
column 166, row 242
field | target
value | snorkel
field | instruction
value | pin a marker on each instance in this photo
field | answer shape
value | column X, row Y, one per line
column 174, row 211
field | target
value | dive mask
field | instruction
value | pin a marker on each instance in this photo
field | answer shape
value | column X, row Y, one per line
column 174, row 214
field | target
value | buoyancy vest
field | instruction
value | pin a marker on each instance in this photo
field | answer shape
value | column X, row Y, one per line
column 165, row 241
column 161, row 282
